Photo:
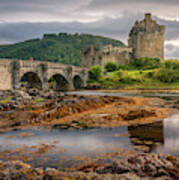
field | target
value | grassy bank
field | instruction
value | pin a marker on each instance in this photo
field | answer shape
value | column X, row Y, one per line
column 164, row 75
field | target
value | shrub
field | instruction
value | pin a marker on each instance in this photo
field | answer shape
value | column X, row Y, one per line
column 167, row 75
column 142, row 64
column 171, row 64
column 129, row 80
column 150, row 74
column 111, row 67
column 147, row 63
column 95, row 73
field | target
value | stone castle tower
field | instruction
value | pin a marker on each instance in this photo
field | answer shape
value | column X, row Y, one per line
column 147, row 39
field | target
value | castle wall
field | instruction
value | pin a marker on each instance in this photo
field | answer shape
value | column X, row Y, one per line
column 147, row 39
column 108, row 54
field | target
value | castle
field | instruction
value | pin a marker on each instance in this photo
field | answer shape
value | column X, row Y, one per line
column 146, row 39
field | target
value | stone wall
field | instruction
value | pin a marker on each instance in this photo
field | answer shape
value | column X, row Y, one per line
column 12, row 72
column 5, row 75
column 118, row 55
column 147, row 39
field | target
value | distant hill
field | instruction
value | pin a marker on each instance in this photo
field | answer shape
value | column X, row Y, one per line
column 63, row 48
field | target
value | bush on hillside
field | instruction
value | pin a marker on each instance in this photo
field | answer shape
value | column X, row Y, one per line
column 147, row 63
column 171, row 64
column 167, row 75
column 142, row 64
column 111, row 67
column 95, row 73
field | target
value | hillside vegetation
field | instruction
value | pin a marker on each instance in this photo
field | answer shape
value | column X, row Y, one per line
column 63, row 48
column 141, row 73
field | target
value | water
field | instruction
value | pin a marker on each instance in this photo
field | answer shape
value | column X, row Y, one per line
column 67, row 148
column 116, row 94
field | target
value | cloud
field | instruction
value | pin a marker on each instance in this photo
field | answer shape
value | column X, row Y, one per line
column 82, row 11
column 23, row 19
column 172, row 49
column 157, row 7
column 117, row 28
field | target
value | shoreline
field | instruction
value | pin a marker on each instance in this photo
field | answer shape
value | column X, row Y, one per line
column 76, row 112
column 80, row 111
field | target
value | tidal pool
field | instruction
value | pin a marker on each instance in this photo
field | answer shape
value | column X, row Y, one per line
column 68, row 148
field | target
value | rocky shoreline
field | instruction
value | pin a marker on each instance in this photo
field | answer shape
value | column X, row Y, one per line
column 34, row 108
column 19, row 109
column 141, row 166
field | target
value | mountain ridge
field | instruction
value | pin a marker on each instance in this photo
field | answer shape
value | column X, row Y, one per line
column 62, row 48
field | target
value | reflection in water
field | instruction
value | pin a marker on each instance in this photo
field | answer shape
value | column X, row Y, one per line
column 149, row 135
column 74, row 141
column 49, row 147
column 171, row 131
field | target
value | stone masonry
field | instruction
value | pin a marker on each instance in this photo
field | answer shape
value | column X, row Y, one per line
column 146, row 39
column 92, row 57
column 12, row 72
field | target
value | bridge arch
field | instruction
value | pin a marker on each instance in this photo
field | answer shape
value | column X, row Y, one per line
column 58, row 82
column 31, row 80
column 78, row 82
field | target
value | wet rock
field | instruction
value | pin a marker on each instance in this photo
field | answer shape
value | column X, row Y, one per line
column 18, row 170
column 140, row 166
column 33, row 92
column 142, row 148
column 114, row 168
column 150, row 169
column 23, row 95
column 51, row 173
column 160, row 172
column 140, row 113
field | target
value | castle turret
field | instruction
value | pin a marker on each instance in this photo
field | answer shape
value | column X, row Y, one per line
column 147, row 39
column 148, row 21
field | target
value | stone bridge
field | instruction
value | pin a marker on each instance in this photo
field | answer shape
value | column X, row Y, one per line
column 39, row 74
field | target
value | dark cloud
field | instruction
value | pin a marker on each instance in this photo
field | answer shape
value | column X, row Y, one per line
column 116, row 28
column 82, row 10
column 26, row 19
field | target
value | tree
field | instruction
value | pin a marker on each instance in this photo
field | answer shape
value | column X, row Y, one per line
column 95, row 73
column 172, row 64
column 111, row 67
column 167, row 75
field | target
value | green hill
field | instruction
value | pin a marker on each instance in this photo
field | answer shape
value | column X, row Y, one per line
column 63, row 48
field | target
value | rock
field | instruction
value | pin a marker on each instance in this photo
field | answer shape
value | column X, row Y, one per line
column 150, row 169
column 24, row 95
column 51, row 173
column 18, row 170
column 140, row 113
column 33, row 92
column 114, row 168
column 161, row 172
column 142, row 148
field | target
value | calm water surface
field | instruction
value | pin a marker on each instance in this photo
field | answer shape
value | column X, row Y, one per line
column 116, row 94
column 43, row 147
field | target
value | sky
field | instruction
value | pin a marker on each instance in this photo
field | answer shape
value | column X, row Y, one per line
column 26, row 19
